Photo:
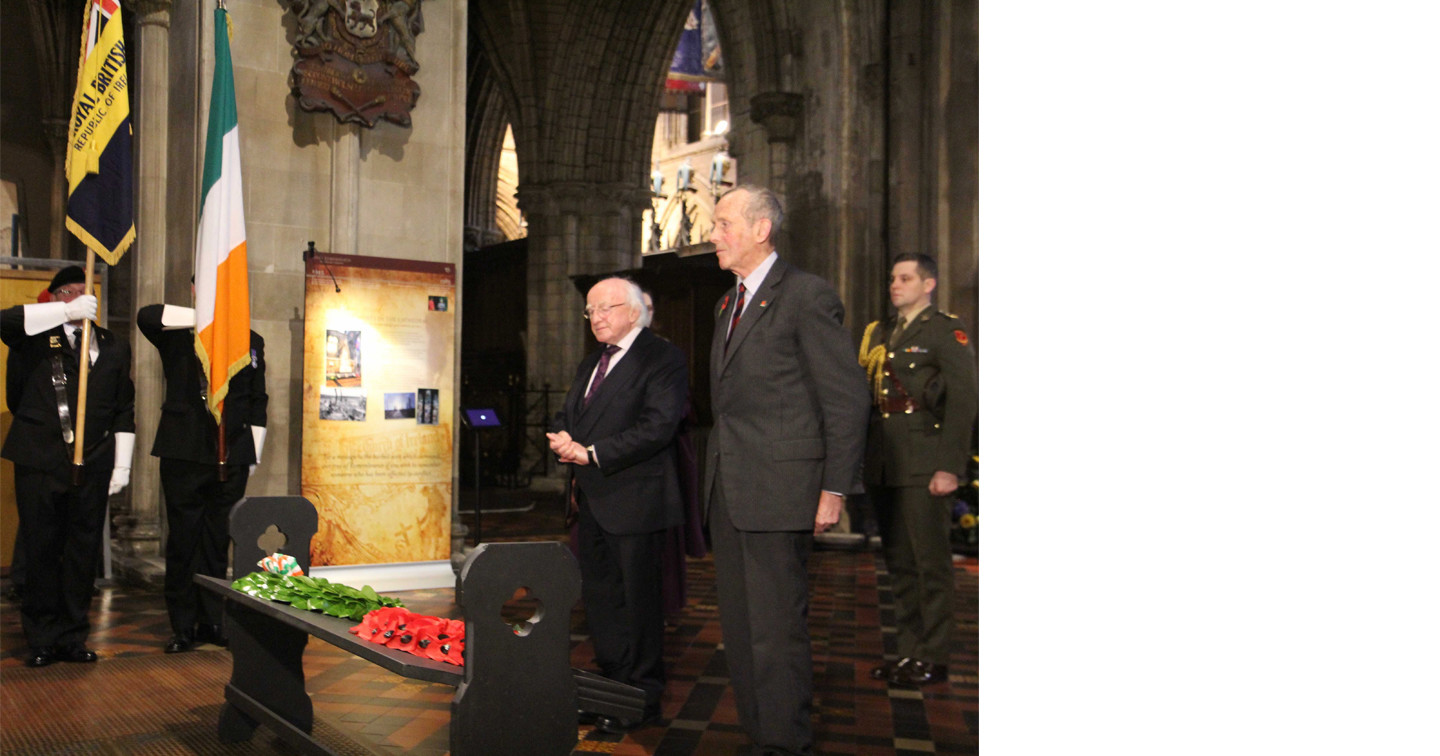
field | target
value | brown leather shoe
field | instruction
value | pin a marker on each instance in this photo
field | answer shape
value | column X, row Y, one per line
column 888, row 669
column 921, row 673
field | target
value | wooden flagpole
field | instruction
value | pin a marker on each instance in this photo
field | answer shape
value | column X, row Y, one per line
column 78, row 462
column 223, row 455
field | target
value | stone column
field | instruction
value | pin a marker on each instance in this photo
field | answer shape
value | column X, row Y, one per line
column 138, row 532
column 779, row 113
column 575, row 228
column 345, row 190
column 549, row 334
column 957, row 156
column 57, row 134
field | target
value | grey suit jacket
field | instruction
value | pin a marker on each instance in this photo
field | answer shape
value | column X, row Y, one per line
column 789, row 400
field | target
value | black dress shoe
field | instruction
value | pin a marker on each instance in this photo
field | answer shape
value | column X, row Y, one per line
column 620, row 725
column 207, row 633
column 77, row 653
column 40, row 657
column 921, row 673
column 888, row 669
column 181, row 642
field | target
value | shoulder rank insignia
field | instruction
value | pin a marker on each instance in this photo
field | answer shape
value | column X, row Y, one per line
column 961, row 337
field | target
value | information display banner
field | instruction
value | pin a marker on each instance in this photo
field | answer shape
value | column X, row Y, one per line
column 378, row 408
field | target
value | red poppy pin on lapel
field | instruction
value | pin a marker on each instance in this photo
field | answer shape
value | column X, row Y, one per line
column 961, row 337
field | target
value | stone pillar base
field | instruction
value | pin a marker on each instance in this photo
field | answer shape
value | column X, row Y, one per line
column 141, row 572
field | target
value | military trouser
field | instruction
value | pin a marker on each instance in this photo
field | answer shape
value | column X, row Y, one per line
column 915, row 528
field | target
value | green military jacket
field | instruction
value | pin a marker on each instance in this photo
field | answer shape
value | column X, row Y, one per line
column 934, row 365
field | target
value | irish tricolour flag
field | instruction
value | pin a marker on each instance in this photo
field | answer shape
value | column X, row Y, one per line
column 222, row 286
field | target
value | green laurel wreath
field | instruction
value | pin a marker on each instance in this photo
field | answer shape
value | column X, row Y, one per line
column 314, row 594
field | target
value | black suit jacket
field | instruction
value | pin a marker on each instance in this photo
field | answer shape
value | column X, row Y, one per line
column 35, row 438
column 632, row 422
column 789, row 400
column 187, row 430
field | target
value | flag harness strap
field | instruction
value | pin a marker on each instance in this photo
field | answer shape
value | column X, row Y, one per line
column 62, row 402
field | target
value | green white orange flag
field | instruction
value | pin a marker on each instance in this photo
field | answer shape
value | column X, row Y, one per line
column 222, row 285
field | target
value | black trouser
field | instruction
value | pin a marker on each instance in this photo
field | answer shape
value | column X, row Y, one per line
column 197, row 512
column 62, row 526
column 620, row 583
column 764, row 595
column 17, row 562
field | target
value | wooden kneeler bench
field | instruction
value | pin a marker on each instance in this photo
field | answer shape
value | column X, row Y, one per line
column 516, row 694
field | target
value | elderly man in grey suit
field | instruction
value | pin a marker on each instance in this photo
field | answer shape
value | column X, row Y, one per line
column 790, row 406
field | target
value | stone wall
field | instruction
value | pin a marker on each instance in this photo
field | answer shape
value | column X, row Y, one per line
column 387, row 191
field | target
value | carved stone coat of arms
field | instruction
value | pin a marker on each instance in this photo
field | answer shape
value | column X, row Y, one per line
column 356, row 58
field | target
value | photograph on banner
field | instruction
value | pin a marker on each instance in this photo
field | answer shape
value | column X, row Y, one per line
column 342, row 404
column 382, row 488
column 342, row 358
column 428, row 412
column 399, row 406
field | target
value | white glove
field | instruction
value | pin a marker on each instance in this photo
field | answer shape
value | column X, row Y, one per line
column 124, row 452
column 177, row 317
column 82, row 307
column 43, row 316
column 119, row 479
column 257, row 432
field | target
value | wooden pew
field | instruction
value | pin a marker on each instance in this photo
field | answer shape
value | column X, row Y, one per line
column 516, row 694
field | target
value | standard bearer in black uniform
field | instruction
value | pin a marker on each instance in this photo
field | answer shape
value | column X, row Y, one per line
column 61, row 522
column 197, row 497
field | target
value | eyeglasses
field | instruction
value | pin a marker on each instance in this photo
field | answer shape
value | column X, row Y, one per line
column 69, row 291
column 602, row 310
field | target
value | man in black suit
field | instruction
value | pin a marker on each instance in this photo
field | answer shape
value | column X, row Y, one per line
column 790, row 407
column 62, row 523
column 197, row 499
column 617, row 429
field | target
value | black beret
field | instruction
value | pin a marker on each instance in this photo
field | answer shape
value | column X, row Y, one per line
column 72, row 274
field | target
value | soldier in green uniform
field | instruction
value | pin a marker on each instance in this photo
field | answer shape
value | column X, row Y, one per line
column 922, row 375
